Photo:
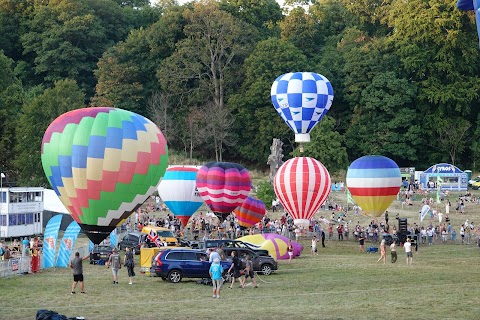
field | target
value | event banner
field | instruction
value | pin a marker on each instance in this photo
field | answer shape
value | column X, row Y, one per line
column 68, row 242
column 50, row 241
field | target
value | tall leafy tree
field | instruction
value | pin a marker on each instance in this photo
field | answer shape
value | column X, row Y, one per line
column 65, row 38
column 126, row 72
column 199, row 71
column 263, row 14
column 35, row 118
column 11, row 99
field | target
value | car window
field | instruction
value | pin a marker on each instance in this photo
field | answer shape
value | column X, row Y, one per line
column 242, row 254
column 209, row 244
column 189, row 256
column 201, row 256
column 165, row 234
column 175, row 255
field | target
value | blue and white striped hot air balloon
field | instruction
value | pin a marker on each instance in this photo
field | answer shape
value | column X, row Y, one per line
column 302, row 99
column 178, row 190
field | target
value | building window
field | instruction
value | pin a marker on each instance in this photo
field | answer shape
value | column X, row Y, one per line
column 29, row 218
column 12, row 220
column 3, row 220
column 3, row 197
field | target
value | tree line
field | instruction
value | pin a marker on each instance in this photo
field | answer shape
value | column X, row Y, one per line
column 405, row 76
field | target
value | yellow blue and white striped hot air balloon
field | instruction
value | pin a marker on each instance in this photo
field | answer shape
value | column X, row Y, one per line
column 374, row 182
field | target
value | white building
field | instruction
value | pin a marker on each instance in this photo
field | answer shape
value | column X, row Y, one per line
column 21, row 211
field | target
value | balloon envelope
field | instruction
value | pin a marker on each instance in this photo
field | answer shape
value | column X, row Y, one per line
column 302, row 185
column 374, row 182
column 275, row 244
column 103, row 163
column 250, row 212
column 223, row 186
column 178, row 190
column 302, row 99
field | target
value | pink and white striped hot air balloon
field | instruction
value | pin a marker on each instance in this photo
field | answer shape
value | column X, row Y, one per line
column 223, row 186
column 302, row 185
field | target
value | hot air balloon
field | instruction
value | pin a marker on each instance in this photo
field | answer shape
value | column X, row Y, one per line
column 302, row 99
column 302, row 185
column 250, row 212
column 178, row 190
column 103, row 163
column 223, row 186
column 374, row 182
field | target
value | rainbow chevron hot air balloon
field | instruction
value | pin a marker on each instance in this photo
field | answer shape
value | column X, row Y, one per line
column 103, row 163
column 250, row 212
column 374, row 182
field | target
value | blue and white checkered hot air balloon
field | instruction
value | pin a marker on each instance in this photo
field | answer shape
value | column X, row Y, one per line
column 302, row 99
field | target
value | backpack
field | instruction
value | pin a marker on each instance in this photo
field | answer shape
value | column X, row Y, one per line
column 1, row 251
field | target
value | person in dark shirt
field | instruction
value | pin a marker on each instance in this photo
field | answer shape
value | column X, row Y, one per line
column 77, row 267
column 236, row 266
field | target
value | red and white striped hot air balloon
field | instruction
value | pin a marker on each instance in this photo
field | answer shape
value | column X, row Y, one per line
column 302, row 185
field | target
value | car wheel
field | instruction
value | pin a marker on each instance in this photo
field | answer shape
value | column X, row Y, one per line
column 266, row 269
column 175, row 276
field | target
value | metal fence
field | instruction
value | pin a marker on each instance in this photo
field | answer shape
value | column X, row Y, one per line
column 18, row 265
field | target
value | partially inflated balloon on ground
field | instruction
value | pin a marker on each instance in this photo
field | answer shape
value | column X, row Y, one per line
column 178, row 190
column 374, row 182
column 275, row 244
column 223, row 186
column 103, row 163
column 250, row 212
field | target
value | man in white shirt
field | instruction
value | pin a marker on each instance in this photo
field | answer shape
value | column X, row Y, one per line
column 408, row 250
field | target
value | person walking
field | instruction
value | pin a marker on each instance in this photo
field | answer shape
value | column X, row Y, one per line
column 236, row 266
column 114, row 262
column 290, row 251
column 393, row 252
column 408, row 251
column 129, row 263
column 314, row 246
column 77, row 268
column 216, row 275
column 361, row 241
column 383, row 252
column 249, row 272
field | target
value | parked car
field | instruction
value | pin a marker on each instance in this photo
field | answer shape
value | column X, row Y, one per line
column 474, row 180
column 264, row 264
column 211, row 245
column 100, row 254
column 178, row 263
column 476, row 185
column 132, row 240
column 184, row 242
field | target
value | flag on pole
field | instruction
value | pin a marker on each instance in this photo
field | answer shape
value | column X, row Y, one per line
column 439, row 187
column 50, row 241
column 68, row 242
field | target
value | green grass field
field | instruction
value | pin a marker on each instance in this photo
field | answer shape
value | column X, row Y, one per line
column 339, row 283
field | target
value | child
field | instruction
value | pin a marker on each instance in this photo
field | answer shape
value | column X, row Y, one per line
column 216, row 275
column 249, row 272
